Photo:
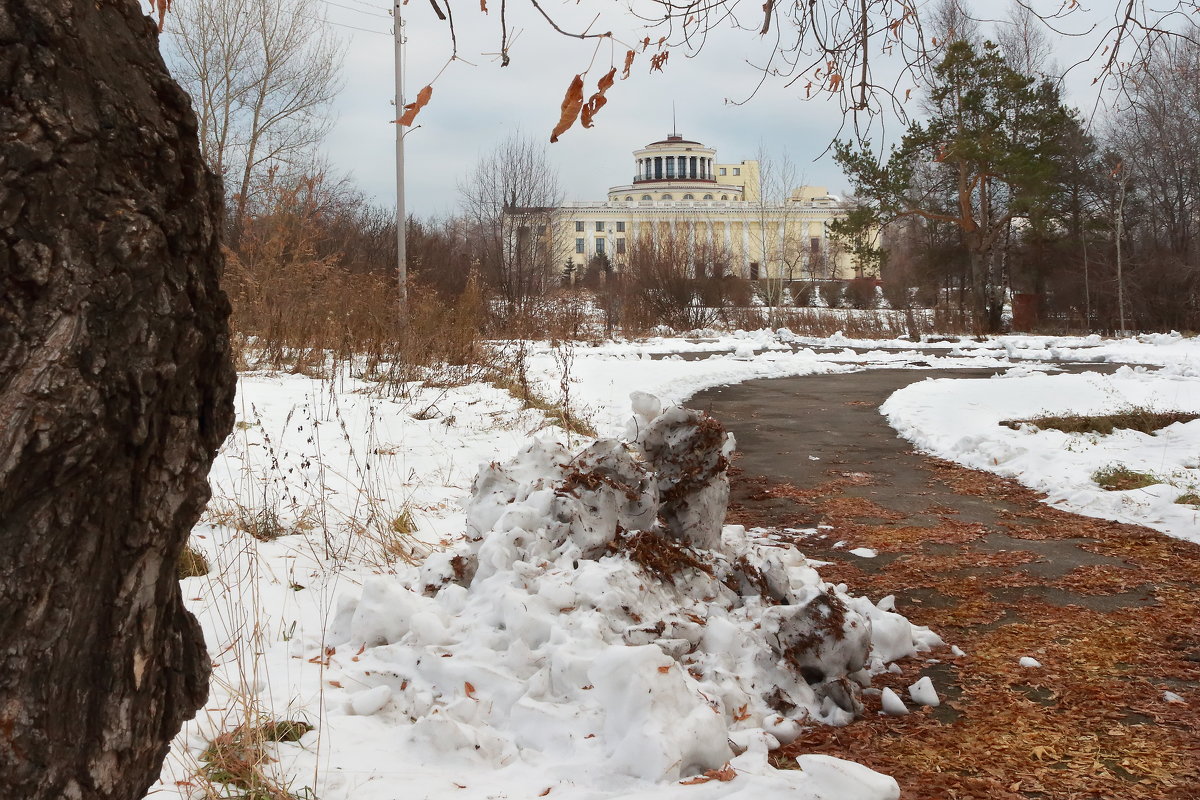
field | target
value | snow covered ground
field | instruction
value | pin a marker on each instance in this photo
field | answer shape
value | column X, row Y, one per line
column 531, row 680
column 959, row 420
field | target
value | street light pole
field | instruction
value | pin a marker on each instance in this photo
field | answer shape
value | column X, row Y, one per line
column 401, row 216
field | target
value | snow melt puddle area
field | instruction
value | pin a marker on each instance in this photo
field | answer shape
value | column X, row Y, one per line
column 959, row 420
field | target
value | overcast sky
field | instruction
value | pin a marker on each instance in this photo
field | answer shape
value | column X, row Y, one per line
column 476, row 103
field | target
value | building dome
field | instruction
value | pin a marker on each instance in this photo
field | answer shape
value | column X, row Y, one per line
column 674, row 160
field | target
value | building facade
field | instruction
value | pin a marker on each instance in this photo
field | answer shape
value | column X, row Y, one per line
column 680, row 189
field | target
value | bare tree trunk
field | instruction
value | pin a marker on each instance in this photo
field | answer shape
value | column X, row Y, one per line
column 115, row 392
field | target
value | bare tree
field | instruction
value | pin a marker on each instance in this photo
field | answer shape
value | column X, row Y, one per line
column 511, row 200
column 262, row 74
column 1024, row 43
column 779, row 239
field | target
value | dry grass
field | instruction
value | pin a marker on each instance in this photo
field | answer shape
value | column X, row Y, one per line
column 1131, row 419
column 1118, row 478
column 192, row 563
column 238, row 758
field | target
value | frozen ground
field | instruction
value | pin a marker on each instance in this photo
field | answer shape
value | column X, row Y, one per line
column 531, row 680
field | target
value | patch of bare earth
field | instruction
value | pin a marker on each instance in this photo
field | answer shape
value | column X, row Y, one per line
column 1110, row 611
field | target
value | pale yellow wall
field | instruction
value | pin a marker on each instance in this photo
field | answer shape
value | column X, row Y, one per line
column 743, row 173
column 742, row 235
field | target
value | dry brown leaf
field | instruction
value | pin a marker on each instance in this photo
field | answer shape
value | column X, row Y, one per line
column 724, row 774
column 545, row 792
column 629, row 55
column 162, row 6
column 335, row 684
column 571, row 105
column 658, row 59
column 664, row 670
column 412, row 109
column 469, row 688
column 597, row 101
column 483, row 6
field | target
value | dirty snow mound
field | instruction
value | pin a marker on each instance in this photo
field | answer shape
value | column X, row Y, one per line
column 599, row 619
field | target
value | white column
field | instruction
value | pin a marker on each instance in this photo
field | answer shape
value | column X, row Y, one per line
column 746, row 249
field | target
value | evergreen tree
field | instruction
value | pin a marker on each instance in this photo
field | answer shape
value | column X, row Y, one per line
column 995, row 138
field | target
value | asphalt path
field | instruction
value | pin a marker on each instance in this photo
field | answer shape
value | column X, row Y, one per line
column 1109, row 608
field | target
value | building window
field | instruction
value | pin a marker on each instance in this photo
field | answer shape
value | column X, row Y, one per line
column 724, row 197
column 737, row 170
column 647, row 197
column 628, row 197
column 722, row 170
column 708, row 197
column 814, row 244
column 599, row 227
column 620, row 247
column 579, row 246
column 667, row 197
column 579, row 227
column 688, row 197
column 753, row 270
column 620, row 227
column 599, row 245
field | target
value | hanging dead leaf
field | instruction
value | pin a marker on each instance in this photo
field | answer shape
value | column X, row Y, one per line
column 645, row 44
column 658, row 59
column 571, row 105
column 768, row 7
column 163, row 6
column 597, row 101
column 835, row 81
column 628, row 63
column 483, row 6
column 412, row 109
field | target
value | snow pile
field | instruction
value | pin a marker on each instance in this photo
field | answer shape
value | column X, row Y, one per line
column 959, row 420
column 599, row 620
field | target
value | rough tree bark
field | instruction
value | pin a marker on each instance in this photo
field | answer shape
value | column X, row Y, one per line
column 115, row 392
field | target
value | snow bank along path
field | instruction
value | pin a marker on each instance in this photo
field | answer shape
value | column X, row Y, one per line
column 958, row 419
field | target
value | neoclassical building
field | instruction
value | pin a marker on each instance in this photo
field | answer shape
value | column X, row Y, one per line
column 680, row 188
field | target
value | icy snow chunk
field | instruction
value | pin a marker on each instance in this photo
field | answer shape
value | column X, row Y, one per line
column 837, row 779
column 955, row 650
column 1029, row 662
column 744, row 352
column 1171, row 697
column 923, row 693
column 863, row 552
column 892, row 704
column 689, row 451
column 653, row 725
column 370, row 701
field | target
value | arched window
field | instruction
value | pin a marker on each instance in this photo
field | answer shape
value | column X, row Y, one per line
column 708, row 197
column 628, row 197
column 724, row 197
column 647, row 197
column 667, row 197
column 735, row 197
column 688, row 197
